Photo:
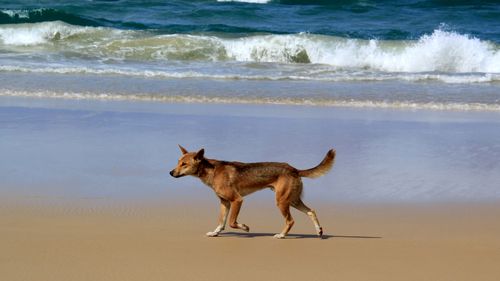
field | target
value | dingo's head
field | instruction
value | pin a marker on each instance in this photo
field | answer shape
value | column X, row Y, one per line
column 188, row 163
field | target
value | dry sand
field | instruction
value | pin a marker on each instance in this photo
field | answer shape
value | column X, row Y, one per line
column 363, row 242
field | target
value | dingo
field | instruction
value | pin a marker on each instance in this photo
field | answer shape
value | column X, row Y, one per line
column 233, row 180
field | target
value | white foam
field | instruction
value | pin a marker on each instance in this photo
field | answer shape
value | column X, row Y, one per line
column 441, row 51
column 401, row 105
column 333, row 77
column 269, row 48
column 443, row 56
column 18, row 13
column 29, row 34
column 33, row 34
column 247, row 1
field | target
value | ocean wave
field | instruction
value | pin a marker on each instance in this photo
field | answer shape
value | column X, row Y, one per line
column 310, row 75
column 347, row 18
column 43, row 15
column 441, row 51
column 402, row 105
column 443, row 56
column 43, row 33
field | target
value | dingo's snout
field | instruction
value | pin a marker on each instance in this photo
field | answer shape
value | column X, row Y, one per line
column 174, row 174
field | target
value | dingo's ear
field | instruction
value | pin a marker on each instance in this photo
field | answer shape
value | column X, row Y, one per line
column 183, row 150
column 199, row 154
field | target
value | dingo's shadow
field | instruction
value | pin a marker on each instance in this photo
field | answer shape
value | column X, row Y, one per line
column 292, row 235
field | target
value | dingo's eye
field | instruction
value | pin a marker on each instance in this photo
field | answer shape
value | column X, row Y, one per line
column 183, row 164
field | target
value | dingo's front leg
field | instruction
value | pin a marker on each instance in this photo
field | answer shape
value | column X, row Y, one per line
column 224, row 211
column 235, row 210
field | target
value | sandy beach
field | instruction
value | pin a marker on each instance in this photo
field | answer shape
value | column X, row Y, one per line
column 86, row 194
column 96, row 96
column 451, row 242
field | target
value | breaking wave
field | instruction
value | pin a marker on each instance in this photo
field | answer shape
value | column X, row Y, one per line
column 43, row 15
column 442, row 51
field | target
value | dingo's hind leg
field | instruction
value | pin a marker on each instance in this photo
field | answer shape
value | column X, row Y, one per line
column 299, row 205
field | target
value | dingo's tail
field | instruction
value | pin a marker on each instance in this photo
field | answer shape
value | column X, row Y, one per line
column 322, row 168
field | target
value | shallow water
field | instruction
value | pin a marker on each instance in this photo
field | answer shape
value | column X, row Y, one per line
column 382, row 94
column 433, row 54
column 123, row 151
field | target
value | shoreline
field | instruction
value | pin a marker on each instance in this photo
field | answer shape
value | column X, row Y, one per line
column 86, row 195
column 399, row 95
column 124, row 150
column 402, row 105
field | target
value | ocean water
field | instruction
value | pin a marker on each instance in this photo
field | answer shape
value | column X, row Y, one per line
column 434, row 54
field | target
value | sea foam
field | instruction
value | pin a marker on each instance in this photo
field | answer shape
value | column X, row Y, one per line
column 295, row 101
column 441, row 51
column 39, row 33
column 442, row 55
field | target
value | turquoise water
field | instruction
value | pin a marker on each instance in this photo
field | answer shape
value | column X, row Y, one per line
column 362, row 19
column 446, row 44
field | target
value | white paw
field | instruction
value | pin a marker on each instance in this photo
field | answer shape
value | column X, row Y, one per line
column 279, row 236
column 244, row 227
column 212, row 234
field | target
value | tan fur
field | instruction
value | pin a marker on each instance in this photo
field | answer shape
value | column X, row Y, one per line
column 231, row 181
column 322, row 168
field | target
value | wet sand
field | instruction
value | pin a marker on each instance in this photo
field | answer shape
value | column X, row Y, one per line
column 123, row 150
column 85, row 193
